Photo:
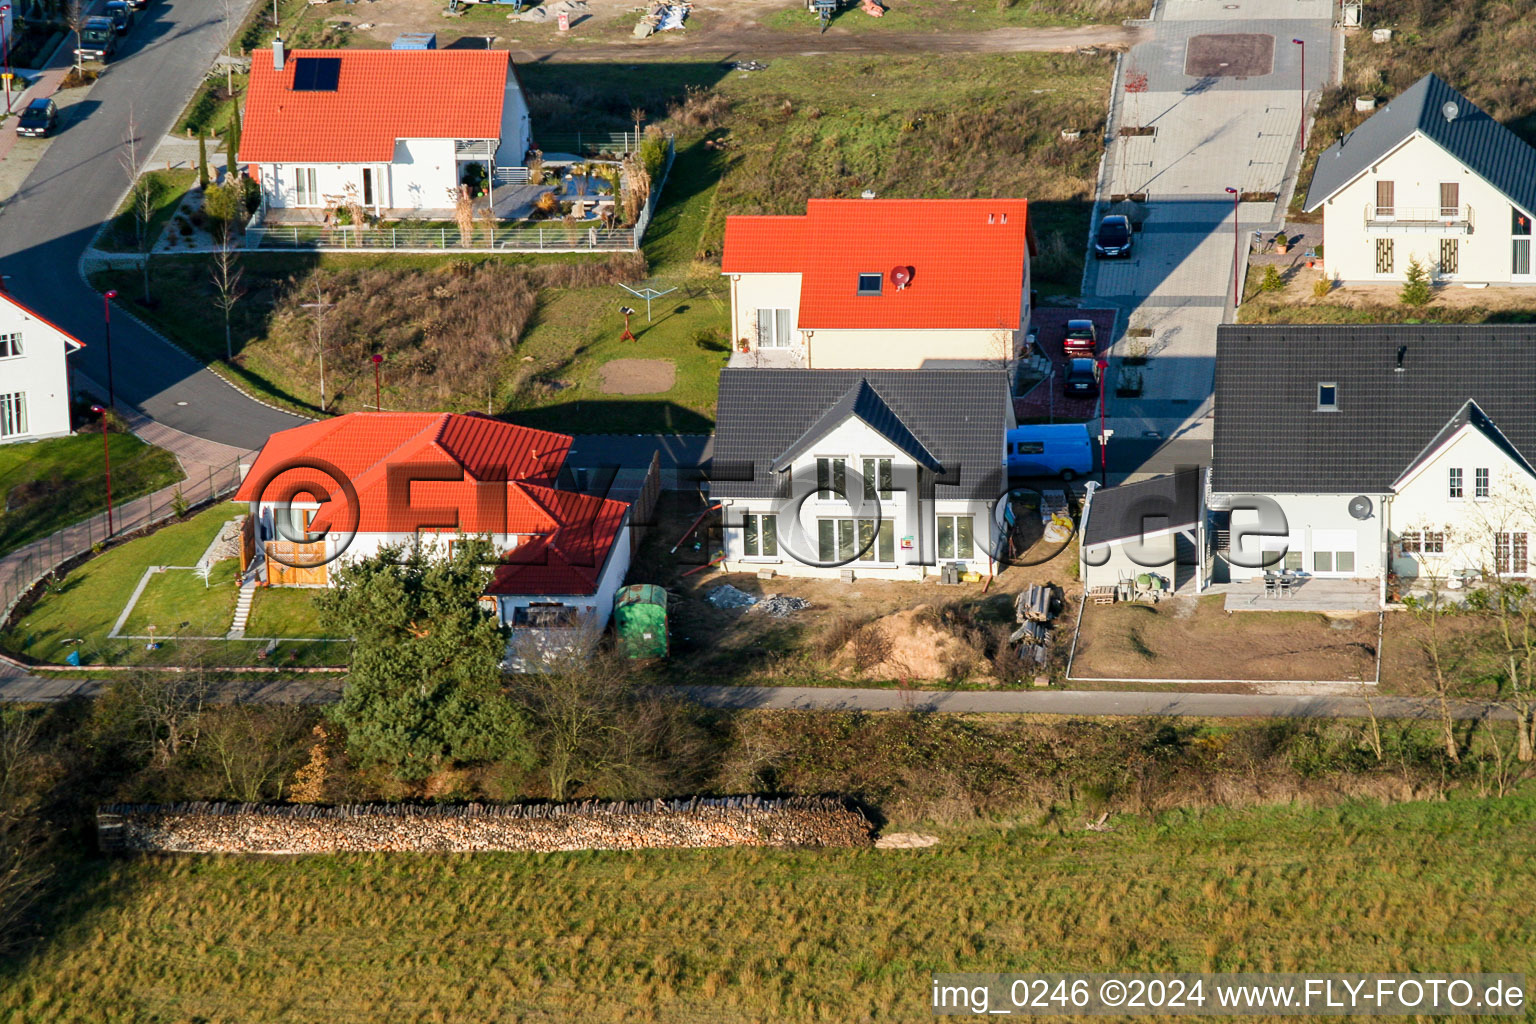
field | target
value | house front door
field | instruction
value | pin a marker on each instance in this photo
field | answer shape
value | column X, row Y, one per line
column 367, row 186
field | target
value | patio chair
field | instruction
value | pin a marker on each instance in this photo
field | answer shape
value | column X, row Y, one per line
column 1271, row 585
column 1286, row 583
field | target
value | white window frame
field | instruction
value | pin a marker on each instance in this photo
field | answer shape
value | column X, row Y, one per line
column 1455, row 484
column 832, row 461
column 774, row 327
column 11, row 346
column 1482, row 480
column 955, row 533
column 747, row 531
column 1332, row 544
column 1333, row 388
column 856, row 524
column 874, row 469
column 1511, row 553
column 305, row 187
column 13, row 414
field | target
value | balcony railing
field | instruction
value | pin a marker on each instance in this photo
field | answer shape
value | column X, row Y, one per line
column 474, row 147
column 1420, row 218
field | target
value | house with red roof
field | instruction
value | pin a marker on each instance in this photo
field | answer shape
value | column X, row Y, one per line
column 343, row 488
column 881, row 284
column 395, row 130
column 34, row 375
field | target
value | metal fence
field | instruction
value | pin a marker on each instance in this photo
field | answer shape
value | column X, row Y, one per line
column 22, row 569
column 555, row 236
column 587, row 143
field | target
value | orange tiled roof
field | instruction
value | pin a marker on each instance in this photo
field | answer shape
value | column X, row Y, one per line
column 436, row 471
column 967, row 258
column 380, row 96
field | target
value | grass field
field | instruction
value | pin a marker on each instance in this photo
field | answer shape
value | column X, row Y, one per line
column 754, row 935
column 121, row 233
column 89, row 599
column 47, row 485
column 285, row 611
column 177, row 603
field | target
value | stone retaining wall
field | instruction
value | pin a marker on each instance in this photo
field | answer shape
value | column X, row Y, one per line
column 468, row 828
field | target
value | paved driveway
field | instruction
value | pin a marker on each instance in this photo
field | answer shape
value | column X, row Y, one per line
column 1213, row 128
column 78, row 184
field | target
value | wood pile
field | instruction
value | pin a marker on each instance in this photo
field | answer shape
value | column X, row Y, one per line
column 468, row 828
column 1034, row 609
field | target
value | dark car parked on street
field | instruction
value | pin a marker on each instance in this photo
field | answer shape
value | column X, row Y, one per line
column 98, row 39
column 121, row 15
column 39, row 119
column 1081, row 379
column 1114, row 237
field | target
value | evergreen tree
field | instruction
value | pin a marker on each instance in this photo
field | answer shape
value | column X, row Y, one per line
column 202, row 160
column 1416, row 291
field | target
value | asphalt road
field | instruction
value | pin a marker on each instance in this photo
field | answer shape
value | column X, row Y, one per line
column 79, row 183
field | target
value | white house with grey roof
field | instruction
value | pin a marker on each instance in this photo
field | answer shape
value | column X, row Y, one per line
column 889, row 474
column 1432, row 177
column 1355, row 452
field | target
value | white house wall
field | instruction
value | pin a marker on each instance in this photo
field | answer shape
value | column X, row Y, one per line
column 423, row 174
column 516, row 126
column 1417, row 168
column 39, row 374
column 911, row 349
column 1423, row 502
column 911, row 517
column 278, row 182
column 751, row 292
column 1317, row 522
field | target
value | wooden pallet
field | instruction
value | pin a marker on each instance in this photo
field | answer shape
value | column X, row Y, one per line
column 1102, row 595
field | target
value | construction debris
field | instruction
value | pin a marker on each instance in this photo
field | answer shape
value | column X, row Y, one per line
column 905, row 841
column 727, row 596
column 781, row 605
column 744, row 65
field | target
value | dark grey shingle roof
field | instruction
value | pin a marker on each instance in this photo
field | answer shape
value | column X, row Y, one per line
column 863, row 401
column 958, row 416
column 1484, row 145
column 1126, row 511
column 1269, row 438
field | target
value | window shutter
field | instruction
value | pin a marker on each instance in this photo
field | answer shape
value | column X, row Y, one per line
column 1385, row 193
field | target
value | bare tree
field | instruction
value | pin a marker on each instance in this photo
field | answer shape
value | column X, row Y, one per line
column 143, row 193
column 228, row 284
column 1431, row 608
column 22, row 871
column 320, row 306
column 256, row 747
column 75, row 13
column 168, row 708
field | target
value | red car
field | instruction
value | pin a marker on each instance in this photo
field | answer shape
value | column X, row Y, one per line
column 1082, row 341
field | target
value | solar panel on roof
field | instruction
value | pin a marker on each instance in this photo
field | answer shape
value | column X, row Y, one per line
column 316, row 74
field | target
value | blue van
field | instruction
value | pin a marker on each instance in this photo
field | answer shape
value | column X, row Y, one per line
column 1064, row 450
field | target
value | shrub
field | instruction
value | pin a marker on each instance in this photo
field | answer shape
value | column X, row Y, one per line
column 1416, row 290
column 1271, row 281
column 1321, row 288
column 547, row 204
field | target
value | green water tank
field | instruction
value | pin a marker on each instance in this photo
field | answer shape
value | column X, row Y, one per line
column 640, row 620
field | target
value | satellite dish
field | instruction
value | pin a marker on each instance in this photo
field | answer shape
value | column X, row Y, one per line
column 901, row 277
column 1360, row 507
column 1450, row 110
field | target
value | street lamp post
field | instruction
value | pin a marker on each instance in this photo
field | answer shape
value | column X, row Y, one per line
column 5, row 45
column 106, row 313
column 1103, row 433
column 106, row 452
column 1237, row 246
column 378, row 403
column 1303, row 44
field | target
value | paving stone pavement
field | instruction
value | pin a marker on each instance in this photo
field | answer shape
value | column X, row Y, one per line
column 1211, row 133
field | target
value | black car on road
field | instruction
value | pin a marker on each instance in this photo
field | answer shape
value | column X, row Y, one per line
column 1081, row 379
column 1114, row 237
column 98, row 39
column 39, row 119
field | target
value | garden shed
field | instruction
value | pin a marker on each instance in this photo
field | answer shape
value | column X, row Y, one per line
column 640, row 620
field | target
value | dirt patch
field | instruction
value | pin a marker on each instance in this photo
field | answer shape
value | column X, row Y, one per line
column 1169, row 641
column 638, row 376
column 1230, row 55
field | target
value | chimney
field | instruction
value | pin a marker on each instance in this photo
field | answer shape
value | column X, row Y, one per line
column 277, row 53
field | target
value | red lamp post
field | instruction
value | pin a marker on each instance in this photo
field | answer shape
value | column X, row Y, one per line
column 378, row 404
column 1237, row 247
column 1103, row 434
column 106, row 313
column 106, row 452
column 1303, row 44
column 5, row 45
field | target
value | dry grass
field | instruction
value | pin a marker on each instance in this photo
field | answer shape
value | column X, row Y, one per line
column 754, row 935
column 1173, row 640
column 1302, row 299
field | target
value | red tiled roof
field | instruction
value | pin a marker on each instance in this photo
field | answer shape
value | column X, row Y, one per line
column 430, row 471
column 967, row 257
column 569, row 560
column 764, row 245
column 380, row 96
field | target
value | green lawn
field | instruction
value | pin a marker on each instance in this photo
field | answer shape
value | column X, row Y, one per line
column 177, row 603
column 907, row 16
column 121, row 233
column 88, row 600
column 286, row 612
column 47, row 485
column 779, row 935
